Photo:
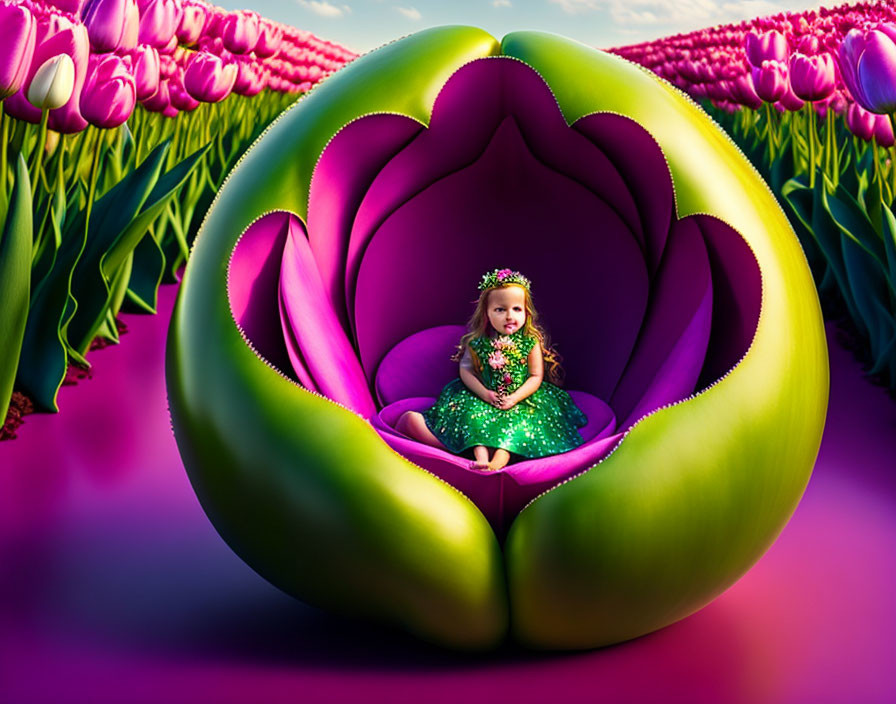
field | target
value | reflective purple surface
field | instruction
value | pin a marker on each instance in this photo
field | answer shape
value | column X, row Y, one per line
column 115, row 588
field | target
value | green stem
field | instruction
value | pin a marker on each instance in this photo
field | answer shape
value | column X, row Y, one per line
column 39, row 152
column 877, row 177
column 91, row 188
column 813, row 135
column 4, row 146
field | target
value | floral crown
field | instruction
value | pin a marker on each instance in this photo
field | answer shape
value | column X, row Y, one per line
column 502, row 277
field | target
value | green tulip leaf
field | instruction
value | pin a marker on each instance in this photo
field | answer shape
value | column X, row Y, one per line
column 15, row 279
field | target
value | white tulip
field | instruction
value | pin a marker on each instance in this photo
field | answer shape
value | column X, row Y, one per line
column 53, row 83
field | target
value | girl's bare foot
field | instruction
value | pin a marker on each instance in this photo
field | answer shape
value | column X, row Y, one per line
column 480, row 452
column 499, row 460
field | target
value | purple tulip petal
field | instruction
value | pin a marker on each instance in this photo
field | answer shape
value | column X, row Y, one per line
column 671, row 347
column 419, row 365
column 253, row 286
column 512, row 206
column 876, row 73
column 342, row 176
column 325, row 350
column 501, row 495
column 736, row 297
column 469, row 109
column 639, row 159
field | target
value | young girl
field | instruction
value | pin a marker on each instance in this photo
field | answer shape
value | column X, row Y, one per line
column 501, row 403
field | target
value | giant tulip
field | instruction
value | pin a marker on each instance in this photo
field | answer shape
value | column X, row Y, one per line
column 17, row 48
column 439, row 166
column 110, row 91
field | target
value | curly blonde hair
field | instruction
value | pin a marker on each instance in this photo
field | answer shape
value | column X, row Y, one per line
column 478, row 326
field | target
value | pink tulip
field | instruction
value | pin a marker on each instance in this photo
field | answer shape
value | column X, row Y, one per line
column 111, row 24
column 179, row 96
column 770, row 46
column 147, row 71
column 159, row 100
column 248, row 80
column 208, row 79
column 789, row 101
column 770, row 80
column 240, row 31
column 192, row 22
column 56, row 34
column 159, row 20
column 270, row 39
column 110, row 92
column 860, row 122
column 808, row 45
column 812, row 77
column 17, row 48
column 743, row 92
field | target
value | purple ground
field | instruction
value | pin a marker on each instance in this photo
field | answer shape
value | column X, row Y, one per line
column 115, row 588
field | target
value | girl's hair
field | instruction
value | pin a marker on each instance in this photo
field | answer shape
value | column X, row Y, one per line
column 478, row 326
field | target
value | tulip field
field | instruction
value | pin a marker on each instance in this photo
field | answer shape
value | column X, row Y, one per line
column 809, row 97
column 120, row 119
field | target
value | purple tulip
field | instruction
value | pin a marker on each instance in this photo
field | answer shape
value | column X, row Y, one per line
column 56, row 34
column 808, row 45
column 883, row 131
column 770, row 80
column 876, row 71
column 110, row 92
column 159, row 20
column 770, row 46
column 812, row 77
column 240, row 31
column 111, row 24
column 208, row 79
column 17, row 48
column 192, row 22
column 848, row 56
column 147, row 70
column 860, row 122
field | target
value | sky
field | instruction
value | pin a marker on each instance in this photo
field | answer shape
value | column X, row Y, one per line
column 362, row 25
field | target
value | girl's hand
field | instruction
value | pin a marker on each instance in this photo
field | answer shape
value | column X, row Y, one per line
column 492, row 398
column 508, row 402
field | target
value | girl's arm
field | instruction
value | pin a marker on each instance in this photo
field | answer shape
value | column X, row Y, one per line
column 472, row 382
column 530, row 385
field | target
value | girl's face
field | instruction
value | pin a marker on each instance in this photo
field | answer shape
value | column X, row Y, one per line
column 507, row 309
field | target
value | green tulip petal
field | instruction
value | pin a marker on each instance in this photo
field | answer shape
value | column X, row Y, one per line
column 301, row 488
column 697, row 491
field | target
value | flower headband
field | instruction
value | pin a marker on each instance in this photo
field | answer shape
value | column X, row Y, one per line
column 502, row 277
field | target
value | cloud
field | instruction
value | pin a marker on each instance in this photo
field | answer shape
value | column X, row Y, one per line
column 412, row 13
column 577, row 7
column 681, row 13
column 501, row 3
column 324, row 8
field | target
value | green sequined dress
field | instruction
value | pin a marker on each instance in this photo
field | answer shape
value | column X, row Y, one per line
column 545, row 423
